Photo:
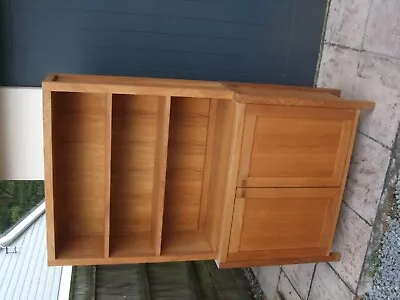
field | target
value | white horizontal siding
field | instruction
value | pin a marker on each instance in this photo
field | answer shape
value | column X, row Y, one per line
column 25, row 274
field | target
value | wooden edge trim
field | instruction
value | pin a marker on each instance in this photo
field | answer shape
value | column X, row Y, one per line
column 345, row 173
column 50, row 78
column 293, row 101
column 334, row 92
column 48, row 170
column 57, row 86
column 333, row 256
column 246, row 151
column 207, row 163
column 129, row 260
column 160, row 165
column 237, row 224
column 233, row 172
column 107, row 175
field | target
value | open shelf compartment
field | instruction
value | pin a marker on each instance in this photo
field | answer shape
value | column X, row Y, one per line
column 187, row 180
column 79, row 126
column 138, row 164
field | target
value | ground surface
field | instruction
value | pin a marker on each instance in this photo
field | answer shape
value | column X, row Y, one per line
column 386, row 278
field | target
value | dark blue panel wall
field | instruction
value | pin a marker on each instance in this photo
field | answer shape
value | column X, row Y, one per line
column 273, row 41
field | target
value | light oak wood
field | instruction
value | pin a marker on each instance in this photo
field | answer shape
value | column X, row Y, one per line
column 186, row 161
column 223, row 135
column 263, row 87
column 135, row 244
column 231, row 175
column 283, row 222
column 331, row 257
column 273, row 96
column 334, row 212
column 133, row 158
column 207, row 164
column 78, row 139
column 48, row 174
column 243, row 93
column 237, row 225
column 107, row 175
column 155, row 170
column 79, row 247
column 294, row 146
column 160, row 169
column 183, row 243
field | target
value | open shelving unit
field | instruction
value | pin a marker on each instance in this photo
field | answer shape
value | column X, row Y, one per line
column 158, row 170
column 130, row 175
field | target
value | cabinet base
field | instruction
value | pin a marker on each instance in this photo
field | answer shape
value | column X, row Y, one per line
column 333, row 256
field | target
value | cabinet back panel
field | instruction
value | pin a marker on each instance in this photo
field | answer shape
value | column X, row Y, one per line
column 185, row 164
column 134, row 131
column 79, row 126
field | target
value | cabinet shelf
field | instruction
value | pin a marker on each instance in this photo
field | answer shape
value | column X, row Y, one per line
column 132, row 245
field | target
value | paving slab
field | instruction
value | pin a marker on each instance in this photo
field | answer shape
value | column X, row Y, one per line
column 366, row 177
column 286, row 289
column 328, row 286
column 383, row 28
column 300, row 276
column 351, row 240
column 379, row 80
column 339, row 69
column 346, row 22
column 268, row 278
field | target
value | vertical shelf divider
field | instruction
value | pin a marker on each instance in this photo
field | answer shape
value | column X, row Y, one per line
column 107, row 174
column 160, row 169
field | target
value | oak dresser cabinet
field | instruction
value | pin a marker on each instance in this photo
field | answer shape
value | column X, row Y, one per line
column 156, row 170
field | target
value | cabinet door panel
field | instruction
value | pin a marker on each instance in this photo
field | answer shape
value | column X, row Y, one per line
column 283, row 222
column 294, row 146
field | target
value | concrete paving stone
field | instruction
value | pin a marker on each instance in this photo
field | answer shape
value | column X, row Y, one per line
column 383, row 28
column 328, row 286
column 268, row 278
column 300, row 276
column 351, row 240
column 366, row 177
column 338, row 69
column 346, row 22
column 379, row 80
column 286, row 289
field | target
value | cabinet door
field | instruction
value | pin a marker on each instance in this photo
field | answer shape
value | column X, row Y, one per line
column 285, row 146
column 278, row 223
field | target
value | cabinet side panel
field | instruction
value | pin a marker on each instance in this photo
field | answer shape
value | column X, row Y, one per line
column 48, row 169
column 225, row 161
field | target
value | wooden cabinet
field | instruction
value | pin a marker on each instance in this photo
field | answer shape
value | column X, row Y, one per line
column 287, row 146
column 155, row 170
column 271, row 223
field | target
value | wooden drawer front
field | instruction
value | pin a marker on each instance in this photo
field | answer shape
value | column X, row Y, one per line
column 283, row 222
column 295, row 146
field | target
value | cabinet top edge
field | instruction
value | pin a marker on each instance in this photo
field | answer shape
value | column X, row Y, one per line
column 245, row 93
